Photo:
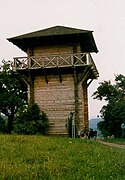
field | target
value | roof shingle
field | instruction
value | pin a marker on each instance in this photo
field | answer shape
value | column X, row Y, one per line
column 52, row 31
column 56, row 35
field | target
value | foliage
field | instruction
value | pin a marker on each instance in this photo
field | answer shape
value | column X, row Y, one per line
column 31, row 121
column 42, row 157
column 102, row 127
column 113, row 113
column 110, row 92
column 13, row 93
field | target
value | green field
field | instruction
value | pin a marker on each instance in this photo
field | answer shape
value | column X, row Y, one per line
column 116, row 141
column 53, row 158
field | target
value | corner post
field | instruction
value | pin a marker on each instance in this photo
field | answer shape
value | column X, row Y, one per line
column 76, row 101
column 85, row 106
column 31, row 90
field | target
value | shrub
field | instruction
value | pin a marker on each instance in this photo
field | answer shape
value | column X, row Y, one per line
column 102, row 128
column 31, row 121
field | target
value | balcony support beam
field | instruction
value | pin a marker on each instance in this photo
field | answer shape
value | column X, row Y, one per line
column 46, row 79
column 29, row 80
column 60, row 78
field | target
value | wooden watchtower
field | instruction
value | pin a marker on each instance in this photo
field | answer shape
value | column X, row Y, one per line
column 58, row 70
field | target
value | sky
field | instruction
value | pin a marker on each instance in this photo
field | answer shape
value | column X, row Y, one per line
column 105, row 17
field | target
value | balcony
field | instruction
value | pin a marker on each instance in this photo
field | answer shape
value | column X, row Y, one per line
column 55, row 61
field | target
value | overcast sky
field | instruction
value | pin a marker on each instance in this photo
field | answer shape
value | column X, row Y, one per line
column 105, row 17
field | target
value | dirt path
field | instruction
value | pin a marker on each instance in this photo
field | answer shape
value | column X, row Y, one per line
column 112, row 144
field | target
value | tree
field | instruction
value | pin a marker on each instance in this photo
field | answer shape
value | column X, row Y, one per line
column 13, row 93
column 113, row 113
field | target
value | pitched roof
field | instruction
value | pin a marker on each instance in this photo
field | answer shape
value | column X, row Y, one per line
column 56, row 34
column 52, row 31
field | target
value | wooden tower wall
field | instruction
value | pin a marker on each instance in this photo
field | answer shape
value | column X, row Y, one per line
column 57, row 99
column 46, row 50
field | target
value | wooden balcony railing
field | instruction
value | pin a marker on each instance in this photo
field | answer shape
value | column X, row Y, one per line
column 54, row 60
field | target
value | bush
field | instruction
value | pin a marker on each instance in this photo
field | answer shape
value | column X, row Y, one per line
column 102, row 127
column 31, row 121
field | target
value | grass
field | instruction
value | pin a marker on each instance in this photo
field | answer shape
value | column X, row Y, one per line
column 116, row 141
column 56, row 158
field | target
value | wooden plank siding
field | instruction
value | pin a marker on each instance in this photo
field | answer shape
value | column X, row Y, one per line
column 46, row 50
column 55, row 99
column 58, row 99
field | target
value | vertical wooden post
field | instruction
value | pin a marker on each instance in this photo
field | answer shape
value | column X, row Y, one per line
column 76, row 49
column 30, row 53
column 85, row 107
column 76, row 100
column 31, row 90
column 29, row 62
column 15, row 65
